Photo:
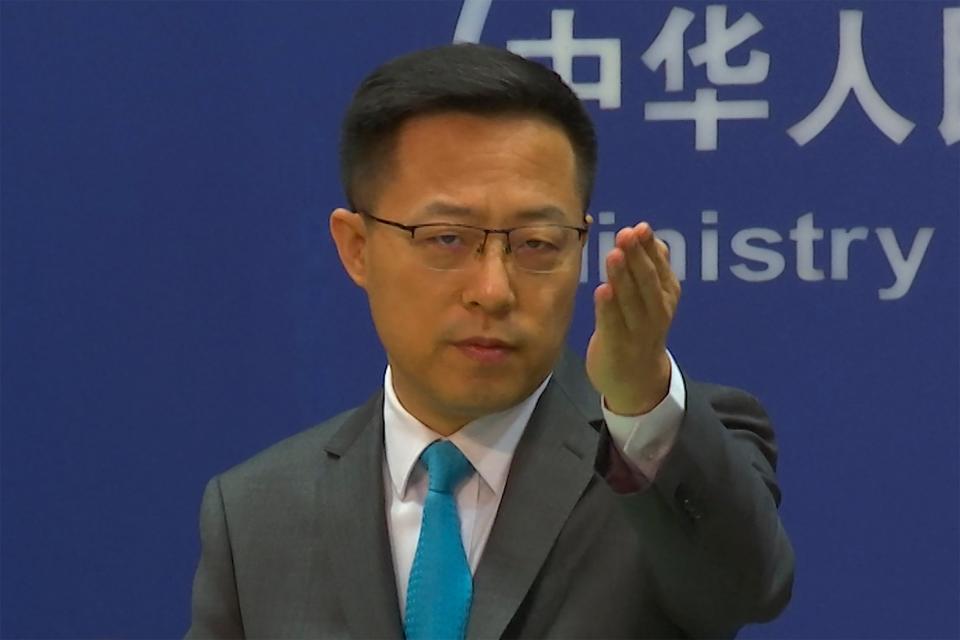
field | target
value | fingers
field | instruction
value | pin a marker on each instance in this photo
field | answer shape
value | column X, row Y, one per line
column 646, row 285
column 626, row 292
column 643, row 262
column 641, row 284
column 607, row 310
column 668, row 279
column 654, row 248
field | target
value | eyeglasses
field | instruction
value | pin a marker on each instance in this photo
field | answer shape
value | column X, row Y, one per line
column 540, row 248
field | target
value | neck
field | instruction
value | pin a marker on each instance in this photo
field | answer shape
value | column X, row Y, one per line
column 444, row 423
column 444, row 429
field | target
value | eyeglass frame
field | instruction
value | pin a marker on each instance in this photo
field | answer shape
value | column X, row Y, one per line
column 412, row 229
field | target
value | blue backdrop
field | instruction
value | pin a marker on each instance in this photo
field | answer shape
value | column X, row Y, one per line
column 172, row 302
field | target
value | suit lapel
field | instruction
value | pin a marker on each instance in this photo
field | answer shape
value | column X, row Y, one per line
column 353, row 503
column 551, row 468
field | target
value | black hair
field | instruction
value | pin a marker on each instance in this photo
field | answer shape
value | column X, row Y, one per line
column 472, row 78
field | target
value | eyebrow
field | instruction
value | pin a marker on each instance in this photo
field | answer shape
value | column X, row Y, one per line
column 546, row 213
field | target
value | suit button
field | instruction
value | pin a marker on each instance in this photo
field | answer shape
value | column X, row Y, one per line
column 691, row 509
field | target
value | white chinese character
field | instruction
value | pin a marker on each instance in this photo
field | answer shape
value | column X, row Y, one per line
column 950, row 123
column 851, row 76
column 720, row 40
column 473, row 15
column 562, row 48
column 705, row 110
column 667, row 49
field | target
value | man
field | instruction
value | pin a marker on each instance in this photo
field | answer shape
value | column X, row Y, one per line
column 498, row 485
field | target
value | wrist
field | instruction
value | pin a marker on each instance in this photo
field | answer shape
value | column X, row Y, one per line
column 645, row 395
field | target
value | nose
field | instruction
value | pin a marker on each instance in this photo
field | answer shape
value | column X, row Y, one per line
column 488, row 283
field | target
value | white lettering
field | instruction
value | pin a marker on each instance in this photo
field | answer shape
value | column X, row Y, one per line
column 851, row 76
column 805, row 235
column 904, row 268
column 678, row 251
column 706, row 111
column 473, row 15
column 667, row 49
column 950, row 123
column 562, row 48
column 721, row 39
column 763, row 254
column 840, row 240
column 773, row 259
column 606, row 241
column 709, row 254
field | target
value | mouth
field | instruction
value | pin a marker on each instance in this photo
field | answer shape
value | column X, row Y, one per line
column 485, row 350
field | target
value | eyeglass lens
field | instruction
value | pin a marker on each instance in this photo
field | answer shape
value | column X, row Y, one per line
column 534, row 248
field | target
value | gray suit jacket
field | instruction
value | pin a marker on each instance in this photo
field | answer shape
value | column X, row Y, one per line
column 295, row 544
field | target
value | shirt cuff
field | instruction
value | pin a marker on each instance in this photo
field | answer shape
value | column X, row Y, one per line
column 645, row 440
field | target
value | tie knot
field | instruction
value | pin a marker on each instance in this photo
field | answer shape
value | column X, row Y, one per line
column 446, row 466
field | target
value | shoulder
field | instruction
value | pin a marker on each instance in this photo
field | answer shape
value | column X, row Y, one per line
column 287, row 461
column 739, row 412
column 725, row 399
column 278, row 487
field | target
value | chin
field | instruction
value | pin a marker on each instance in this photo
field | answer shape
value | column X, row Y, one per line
column 488, row 397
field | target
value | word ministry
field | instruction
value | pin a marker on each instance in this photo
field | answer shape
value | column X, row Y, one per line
column 761, row 251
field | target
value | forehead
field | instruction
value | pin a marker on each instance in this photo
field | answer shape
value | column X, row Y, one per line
column 490, row 167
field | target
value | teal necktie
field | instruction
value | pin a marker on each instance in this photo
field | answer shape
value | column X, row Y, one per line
column 440, row 586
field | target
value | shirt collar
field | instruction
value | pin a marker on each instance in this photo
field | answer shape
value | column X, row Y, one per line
column 488, row 442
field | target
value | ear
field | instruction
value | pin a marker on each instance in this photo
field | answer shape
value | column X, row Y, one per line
column 350, row 235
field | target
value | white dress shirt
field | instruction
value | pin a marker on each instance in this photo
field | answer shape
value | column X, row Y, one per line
column 489, row 443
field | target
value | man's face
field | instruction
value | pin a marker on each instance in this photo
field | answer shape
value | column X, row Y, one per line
column 466, row 343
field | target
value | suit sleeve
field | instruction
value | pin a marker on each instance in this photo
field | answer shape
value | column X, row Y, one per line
column 216, row 608
column 721, row 558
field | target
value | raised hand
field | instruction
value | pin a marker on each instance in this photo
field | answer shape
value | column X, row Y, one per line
column 627, row 360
